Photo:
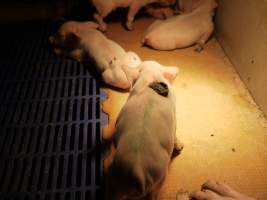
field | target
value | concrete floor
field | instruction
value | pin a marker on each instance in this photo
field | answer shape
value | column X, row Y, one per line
column 223, row 131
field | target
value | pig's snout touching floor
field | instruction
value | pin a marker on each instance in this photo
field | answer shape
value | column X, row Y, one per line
column 160, row 88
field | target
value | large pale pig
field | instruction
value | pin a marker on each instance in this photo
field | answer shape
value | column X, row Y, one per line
column 145, row 136
column 104, row 7
column 81, row 41
column 182, row 30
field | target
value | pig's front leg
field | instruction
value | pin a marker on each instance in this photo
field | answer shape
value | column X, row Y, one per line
column 99, row 16
column 203, row 39
column 134, row 8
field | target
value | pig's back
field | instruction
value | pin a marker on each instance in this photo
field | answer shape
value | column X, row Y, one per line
column 145, row 139
column 147, row 119
column 177, row 32
column 101, row 49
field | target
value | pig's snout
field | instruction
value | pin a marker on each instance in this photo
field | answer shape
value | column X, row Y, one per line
column 160, row 87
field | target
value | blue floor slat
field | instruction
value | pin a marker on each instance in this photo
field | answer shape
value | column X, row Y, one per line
column 50, row 119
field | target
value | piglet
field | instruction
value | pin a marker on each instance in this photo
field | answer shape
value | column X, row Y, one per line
column 145, row 136
column 104, row 7
column 81, row 41
column 182, row 30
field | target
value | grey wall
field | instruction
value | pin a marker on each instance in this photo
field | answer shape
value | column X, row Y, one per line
column 242, row 31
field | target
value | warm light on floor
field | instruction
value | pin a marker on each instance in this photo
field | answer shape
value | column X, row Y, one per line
column 224, row 133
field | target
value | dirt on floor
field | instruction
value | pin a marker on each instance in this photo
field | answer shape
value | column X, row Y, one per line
column 223, row 131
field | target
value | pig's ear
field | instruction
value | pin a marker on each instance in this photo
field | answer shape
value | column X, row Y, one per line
column 170, row 73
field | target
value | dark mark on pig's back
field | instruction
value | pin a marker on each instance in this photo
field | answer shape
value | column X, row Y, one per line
column 160, row 88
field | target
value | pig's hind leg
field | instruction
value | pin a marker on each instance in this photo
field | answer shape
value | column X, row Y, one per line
column 203, row 39
column 178, row 147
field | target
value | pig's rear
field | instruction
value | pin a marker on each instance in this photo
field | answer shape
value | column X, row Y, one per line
column 135, row 179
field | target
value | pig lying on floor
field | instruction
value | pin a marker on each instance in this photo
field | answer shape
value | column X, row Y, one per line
column 183, row 30
column 104, row 7
column 81, row 41
column 145, row 136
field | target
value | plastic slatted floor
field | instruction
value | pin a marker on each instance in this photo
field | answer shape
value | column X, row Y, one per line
column 50, row 119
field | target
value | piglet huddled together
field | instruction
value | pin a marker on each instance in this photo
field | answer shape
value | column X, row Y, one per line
column 105, row 7
column 193, row 26
column 145, row 131
column 81, row 41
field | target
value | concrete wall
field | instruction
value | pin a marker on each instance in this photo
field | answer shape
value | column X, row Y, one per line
column 242, row 31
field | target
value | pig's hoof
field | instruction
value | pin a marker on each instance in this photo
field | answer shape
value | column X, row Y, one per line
column 129, row 26
column 199, row 48
column 103, row 28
